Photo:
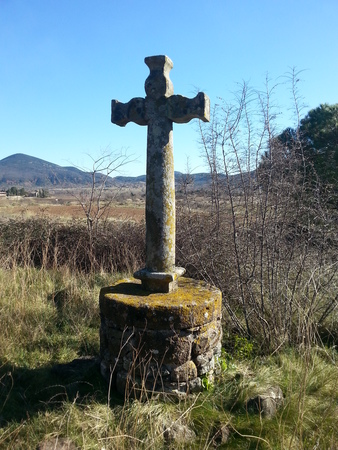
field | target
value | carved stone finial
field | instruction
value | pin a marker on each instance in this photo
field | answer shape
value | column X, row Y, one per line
column 158, row 83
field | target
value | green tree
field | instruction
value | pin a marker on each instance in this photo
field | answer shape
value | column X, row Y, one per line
column 15, row 191
column 319, row 134
column 311, row 150
column 282, row 161
column 12, row 191
column 43, row 193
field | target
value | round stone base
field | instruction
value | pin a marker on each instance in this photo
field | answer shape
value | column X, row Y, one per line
column 157, row 342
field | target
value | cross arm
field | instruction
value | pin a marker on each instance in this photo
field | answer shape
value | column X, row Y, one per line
column 182, row 109
column 133, row 111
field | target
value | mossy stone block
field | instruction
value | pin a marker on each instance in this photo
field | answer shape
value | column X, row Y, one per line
column 193, row 304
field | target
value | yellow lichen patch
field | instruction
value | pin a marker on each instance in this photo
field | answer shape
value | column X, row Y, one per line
column 193, row 304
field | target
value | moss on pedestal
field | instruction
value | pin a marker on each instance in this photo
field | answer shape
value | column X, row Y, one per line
column 193, row 304
column 170, row 340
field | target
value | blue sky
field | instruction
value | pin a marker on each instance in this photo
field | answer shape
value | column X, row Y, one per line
column 62, row 61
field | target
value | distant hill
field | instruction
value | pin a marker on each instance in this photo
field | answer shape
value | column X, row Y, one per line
column 127, row 180
column 26, row 171
column 29, row 172
column 198, row 179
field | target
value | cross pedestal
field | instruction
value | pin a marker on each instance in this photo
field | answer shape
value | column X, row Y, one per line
column 158, row 110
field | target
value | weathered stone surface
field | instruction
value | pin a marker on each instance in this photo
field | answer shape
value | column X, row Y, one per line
column 195, row 385
column 197, row 107
column 167, row 342
column 268, row 402
column 178, row 433
column 205, row 363
column 158, row 111
column 185, row 372
column 221, row 435
column 178, row 389
column 172, row 347
column 123, row 382
column 127, row 304
column 207, row 338
column 218, row 348
column 116, row 342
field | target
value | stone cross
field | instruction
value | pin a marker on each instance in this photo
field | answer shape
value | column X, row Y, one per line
column 158, row 110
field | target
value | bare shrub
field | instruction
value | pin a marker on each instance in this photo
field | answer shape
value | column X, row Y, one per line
column 40, row 242
column 94, row 201
column 266, row 238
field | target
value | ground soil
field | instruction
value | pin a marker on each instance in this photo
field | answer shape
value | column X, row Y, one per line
column 64, row 208
column 126, row 203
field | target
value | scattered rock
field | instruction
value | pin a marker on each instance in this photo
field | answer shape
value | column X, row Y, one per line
column 268, row 402
column 195, row 385
column 205, row 363
column 186, row 371
column 178, row 433
column 221, row 435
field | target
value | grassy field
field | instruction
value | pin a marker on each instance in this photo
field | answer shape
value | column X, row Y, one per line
column 49, row 317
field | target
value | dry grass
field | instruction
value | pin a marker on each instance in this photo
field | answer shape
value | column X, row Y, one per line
column 64, row 207
column 50, row 317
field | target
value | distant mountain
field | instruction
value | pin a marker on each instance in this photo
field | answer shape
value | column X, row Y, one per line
column 198, row 179
column 29, row 172
column 127, row 180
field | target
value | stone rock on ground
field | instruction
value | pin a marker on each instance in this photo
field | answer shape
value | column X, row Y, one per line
column 186, row 371
column 178, row 433
column 268, row 402
column 221, row 435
